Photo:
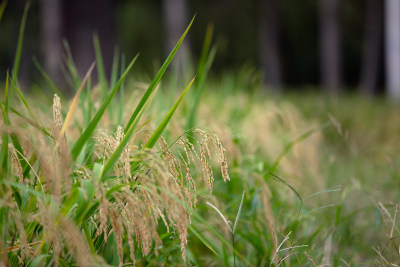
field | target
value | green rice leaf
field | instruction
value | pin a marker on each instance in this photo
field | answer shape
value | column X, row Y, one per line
column 87, row 193
column 88, row 236
column 121, row 94
column 14, row 139
column 206, row 60
column 46, row 77
column 91, row 127
column 157, row 78
column 201, row 238
column 32, row 161
column 40, row 260
column 2, row 8
column 22, row 98
column 4, row 145
column 27, row 188
column 17, row 58
column 31, row 122
column 70, row 200
column 70, row 64
column 198, row 92
column 115, row 188
column 114, row 70
column 100, row 66
column 160, row 129
column 113, row 80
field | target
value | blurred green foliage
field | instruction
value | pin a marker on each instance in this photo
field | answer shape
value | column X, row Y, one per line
column 140, row 28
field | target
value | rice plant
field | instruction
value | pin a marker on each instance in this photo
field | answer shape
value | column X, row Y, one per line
column 99, row 196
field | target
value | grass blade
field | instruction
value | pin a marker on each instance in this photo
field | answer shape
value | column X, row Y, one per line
column 238, row 214
column 297, row 140
column 100, row 66
column 71, row 67
column 277, row 178
column 75, row 100
column 113, row 80
column 206, row 60
column 90, row 128
column 88, row 237
column 221, row 238
column 201, row 238
column 157, row 78
column 2, row 8
column 4, row 145
column 114, row 69
column 160, row 129
column 198, row 91
column 23, row 100
column 28, row 189
column 17, row 58
column 31, row 122
column 225, row 220
column 121, row 94
column 46, row 77
column 124, row 142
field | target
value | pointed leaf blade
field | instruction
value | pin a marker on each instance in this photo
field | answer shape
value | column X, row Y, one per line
column 160, row 129
column 92, row 125
column 157, row 78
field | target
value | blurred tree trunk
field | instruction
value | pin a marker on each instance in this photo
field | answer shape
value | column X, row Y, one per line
column 329, row 46
column 371, row 46
column 175, row 22
column 269, row 44
column 82, row 20
column 51, row 37
column 392, row 49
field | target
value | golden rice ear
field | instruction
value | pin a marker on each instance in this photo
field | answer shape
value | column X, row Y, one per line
column 3, row 254
column 221, row 157
column 76, row 243
column 23, row 246
column 59, row 136
column 205, row 155
column 104, row 205
column 16, row 164
column 57, row 117
column 46, row 217
column 118, row 229
column 124, row 161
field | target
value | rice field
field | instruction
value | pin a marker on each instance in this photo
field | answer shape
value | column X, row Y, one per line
column 204, row 171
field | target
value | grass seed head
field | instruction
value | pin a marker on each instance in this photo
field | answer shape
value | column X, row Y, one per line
column 16, row 164
column 57, row 117
column 76, row 243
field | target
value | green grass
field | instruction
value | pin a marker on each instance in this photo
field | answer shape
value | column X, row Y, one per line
column 129, row 177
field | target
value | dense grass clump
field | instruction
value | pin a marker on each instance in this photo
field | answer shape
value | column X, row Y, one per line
column 81, row 195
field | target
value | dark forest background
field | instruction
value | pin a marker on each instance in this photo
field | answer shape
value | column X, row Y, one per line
column 330, row 44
